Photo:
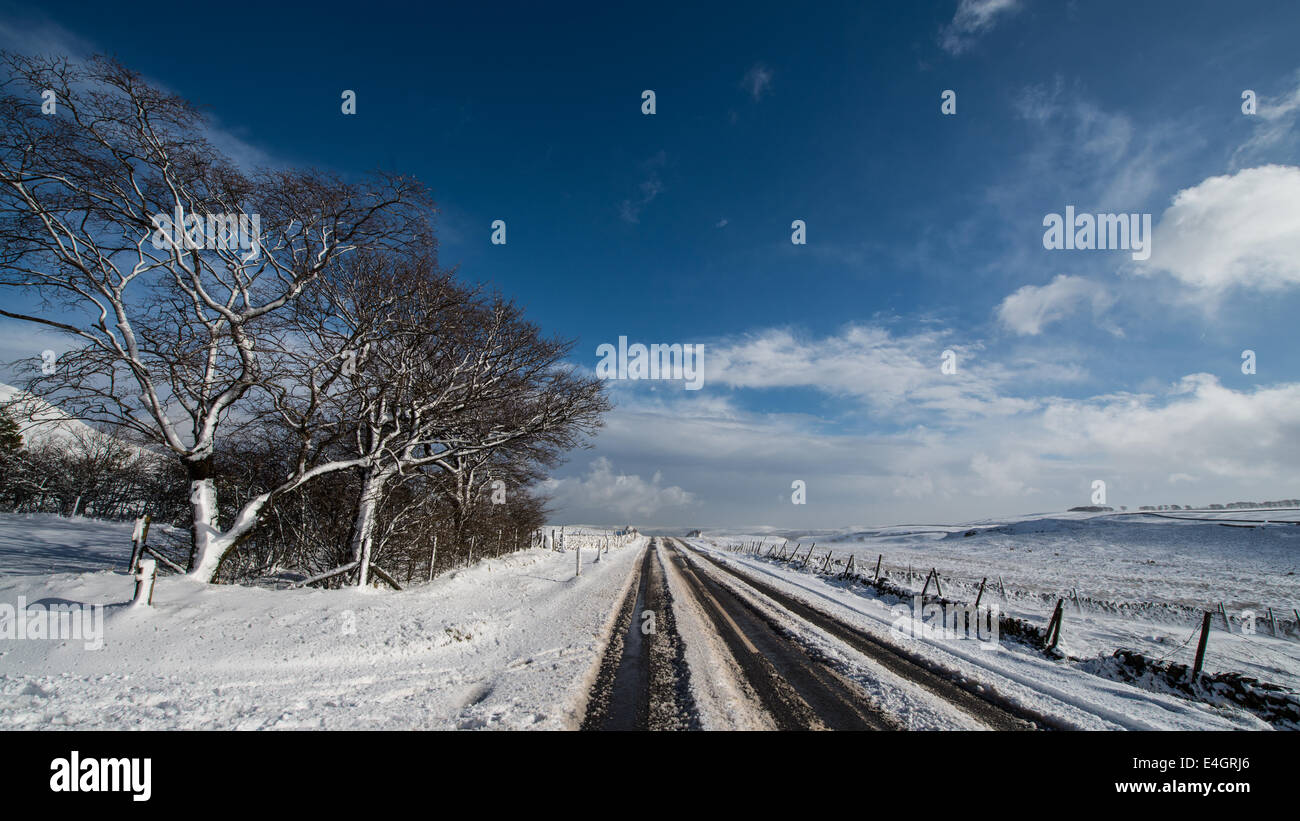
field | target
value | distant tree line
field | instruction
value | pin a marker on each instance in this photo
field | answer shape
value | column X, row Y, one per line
column 1228, row 506
column 317, row 396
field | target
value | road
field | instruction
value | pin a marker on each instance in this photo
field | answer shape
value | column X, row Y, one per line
column 644, row 682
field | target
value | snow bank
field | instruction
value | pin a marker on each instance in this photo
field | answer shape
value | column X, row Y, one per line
column 508, row 643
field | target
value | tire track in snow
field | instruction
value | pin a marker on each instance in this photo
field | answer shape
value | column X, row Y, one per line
column 987, row 707
column 798, row 691
column 643, row 681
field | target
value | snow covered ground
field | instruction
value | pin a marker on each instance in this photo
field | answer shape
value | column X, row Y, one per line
column 517, row 642
column 1142, row 581
column 1072, row 696
column 508, row 643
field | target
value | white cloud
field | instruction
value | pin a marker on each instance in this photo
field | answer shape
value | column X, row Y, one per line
column 973, row 18
column 898, row 373
column 1091, row 154
column 1208, row 442
column 649, row 188
column 1032, row 307
column 604, row 494
column 757, row 81
column 1234, row 230
column 1275, row 125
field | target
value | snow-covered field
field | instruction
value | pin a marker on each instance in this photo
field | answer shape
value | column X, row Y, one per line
column 1142, row 581
column 517, row 642
column 510, row 643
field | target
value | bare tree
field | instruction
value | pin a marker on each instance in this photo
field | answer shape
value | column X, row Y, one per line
column 440, row 374
column 165, row 264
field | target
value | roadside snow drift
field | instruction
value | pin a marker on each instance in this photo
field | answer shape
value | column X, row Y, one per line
column 507, row 643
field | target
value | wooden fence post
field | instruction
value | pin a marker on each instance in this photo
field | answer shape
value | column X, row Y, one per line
column 1054, row 626
column 146, row 573
column 879, row 559
column 980, row 595
column 139, row 538
column 1200, row 646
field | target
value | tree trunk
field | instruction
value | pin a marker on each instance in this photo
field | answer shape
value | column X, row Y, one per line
column 363, row 531
column 206, row 545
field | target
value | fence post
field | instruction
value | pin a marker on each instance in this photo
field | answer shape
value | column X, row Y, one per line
column 1227, row 625
column 980, row 594
column 135, row 543
column 146, row 572
column 1003, row 588
column 879, row 559
column 578, row 556
column 1200, row 646
column 1054, row 626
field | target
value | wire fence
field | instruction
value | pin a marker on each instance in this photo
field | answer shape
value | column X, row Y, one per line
column 1278, row 622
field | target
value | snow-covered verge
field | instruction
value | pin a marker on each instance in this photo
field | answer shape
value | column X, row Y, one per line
column 1072, row 696
column 1142, row 581
column 507, row 643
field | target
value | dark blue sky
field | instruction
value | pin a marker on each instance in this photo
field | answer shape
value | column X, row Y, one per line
column 676, row 227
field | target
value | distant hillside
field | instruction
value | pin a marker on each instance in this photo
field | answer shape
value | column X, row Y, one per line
column 38, row 420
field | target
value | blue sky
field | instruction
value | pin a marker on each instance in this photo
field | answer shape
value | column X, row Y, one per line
column 924, row 231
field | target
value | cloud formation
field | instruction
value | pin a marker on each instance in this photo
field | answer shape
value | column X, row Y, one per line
column 757, row 81
column 972, row 19
column 608, row 496
column 1238, row 230
column 649, row 188
column 1031, row 308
